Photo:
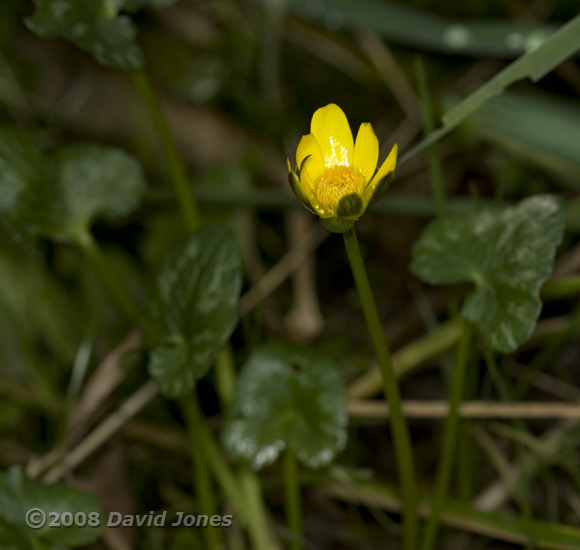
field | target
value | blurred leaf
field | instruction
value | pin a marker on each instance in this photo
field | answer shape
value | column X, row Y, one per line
column 535, row 64
column 198, row 292
column 90, row 181
column 60, row 196
column 94, row 26
column 287, row 396
column 544, row 130
column 19, row 494
column 507, row 253
column 402, row 24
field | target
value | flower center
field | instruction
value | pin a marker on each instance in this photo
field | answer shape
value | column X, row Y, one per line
column 335, row 183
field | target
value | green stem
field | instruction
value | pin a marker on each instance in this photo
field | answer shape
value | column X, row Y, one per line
column 177, row 172
column 400, row 430
column 201, row 478
column 225, row 376
column 249, row 483
column 566, row 287
column 110, row 279
column 449, row 438
column 251, row 516
column 437, row 182
column 254, row 501
column 293, row 499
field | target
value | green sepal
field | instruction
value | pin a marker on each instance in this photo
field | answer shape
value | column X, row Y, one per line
column 297, row 188
column 350, row 206
column 337, row 225
column 381, row 188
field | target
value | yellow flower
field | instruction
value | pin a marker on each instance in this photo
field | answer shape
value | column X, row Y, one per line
column 336, row 178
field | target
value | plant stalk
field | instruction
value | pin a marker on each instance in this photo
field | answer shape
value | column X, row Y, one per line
column 400, row 430
column 111, row 279
column 175, row 165
column 293, row 499
column 201, row 477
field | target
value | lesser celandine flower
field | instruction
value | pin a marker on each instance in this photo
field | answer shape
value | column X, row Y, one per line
column 336, row 178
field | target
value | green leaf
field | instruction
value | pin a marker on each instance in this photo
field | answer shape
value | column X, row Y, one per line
column 404, row 24
column 197, row 305
column 19, row 494
column 513, row 119
column 61, row 195
column 94, row 26
column 87, row 182
column 507, row 253
column 534, row 64
column 287, row 397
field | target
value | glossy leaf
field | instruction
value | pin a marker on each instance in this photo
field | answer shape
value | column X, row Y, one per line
column 94, row 26
column 198, row 292
column 507, row 253
column 19, row 494
column 287, row 397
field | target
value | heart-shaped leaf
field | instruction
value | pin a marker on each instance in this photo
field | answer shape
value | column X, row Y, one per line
column 89, row 181
column 19, row 494
column 94, row 26
column 60, row 195
column 198, row 292
column 287, row 397
column 507, row 253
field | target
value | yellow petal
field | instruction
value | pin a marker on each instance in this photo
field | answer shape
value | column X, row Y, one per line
column 366, row 151
column 306, row 179
column 308, row 147
column 388, row 165
column 330, row 128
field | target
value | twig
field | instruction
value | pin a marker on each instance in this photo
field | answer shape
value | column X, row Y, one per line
column 107, row 377
column 103, row 431
column 282, row 270
column 468, row 409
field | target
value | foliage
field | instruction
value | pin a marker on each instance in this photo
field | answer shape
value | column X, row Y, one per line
column 506, row 253
column 197, row 300
column 287, row 397
column 148, row 235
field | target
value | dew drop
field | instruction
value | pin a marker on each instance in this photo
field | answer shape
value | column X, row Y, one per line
column 515, row 41
column 456, row 36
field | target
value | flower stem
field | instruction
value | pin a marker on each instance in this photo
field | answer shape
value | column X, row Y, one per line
column 400, row 430
column 110, row 279
column 201, row 478
column 293, row 499
column 177, row 172
column 449, row 443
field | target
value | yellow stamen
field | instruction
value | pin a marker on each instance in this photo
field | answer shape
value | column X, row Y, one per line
column 335, row 183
